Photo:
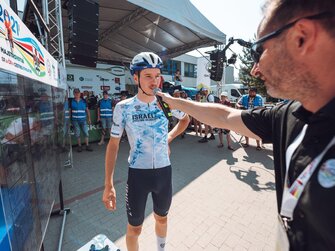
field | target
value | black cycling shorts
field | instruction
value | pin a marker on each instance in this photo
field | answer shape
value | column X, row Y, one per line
column 140, row 183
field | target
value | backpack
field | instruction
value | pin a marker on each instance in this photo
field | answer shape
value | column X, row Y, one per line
column 216, row 99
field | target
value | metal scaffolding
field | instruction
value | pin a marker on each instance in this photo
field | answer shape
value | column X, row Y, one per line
column 53, row 16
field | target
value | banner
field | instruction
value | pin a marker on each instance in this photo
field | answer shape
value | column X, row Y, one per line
column 21, row 53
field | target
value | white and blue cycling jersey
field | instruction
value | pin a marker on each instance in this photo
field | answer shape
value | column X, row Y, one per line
column 147, row 131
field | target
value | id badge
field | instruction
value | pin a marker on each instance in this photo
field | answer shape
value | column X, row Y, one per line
column 282, row 243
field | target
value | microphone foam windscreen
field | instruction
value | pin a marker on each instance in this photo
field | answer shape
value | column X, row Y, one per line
column 156, row 90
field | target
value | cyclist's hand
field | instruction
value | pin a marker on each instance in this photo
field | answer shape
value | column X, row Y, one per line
column 109, row 198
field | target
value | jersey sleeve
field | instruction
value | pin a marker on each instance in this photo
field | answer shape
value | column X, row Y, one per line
column 178, row 114
column 118, row 121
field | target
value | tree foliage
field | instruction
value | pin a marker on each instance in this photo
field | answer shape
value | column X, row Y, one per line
column 245, row 76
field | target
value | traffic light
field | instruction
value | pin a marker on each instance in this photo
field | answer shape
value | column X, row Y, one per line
column 217, row 59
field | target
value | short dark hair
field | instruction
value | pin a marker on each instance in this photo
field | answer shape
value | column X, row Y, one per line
column 105, row 92
column 282, row 11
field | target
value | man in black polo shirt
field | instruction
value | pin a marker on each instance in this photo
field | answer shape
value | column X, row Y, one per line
column 294, row 55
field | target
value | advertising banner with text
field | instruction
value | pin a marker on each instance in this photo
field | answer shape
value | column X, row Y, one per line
column 21, row 53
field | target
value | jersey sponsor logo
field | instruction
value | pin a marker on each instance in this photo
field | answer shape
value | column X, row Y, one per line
column 143, row 117
column 137, row 107
column 326, row 175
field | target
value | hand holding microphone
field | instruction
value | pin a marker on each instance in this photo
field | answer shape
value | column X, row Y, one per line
column 165, row 106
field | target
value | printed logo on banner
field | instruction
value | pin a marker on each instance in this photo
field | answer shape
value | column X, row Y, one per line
column 117, row 71
column 105, row 88
column 70, row 77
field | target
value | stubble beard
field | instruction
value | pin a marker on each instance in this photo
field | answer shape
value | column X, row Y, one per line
column 290, row 79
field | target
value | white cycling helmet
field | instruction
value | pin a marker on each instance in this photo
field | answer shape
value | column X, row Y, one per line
column 224, row 94
column 145, row 60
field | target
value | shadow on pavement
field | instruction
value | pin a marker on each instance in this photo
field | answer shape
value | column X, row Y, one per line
column 83, row 187
column 264, row 156
column 255, row 177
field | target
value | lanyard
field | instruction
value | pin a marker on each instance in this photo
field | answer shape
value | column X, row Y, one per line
column 292, row 193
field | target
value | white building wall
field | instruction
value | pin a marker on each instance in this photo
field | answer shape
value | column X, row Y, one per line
column 187, row 81
column 229, row 76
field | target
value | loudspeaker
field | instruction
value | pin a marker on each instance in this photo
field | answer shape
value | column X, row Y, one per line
column 217, row 59
column 84, row 32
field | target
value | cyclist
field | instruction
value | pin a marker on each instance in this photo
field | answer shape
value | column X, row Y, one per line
column 149, row 163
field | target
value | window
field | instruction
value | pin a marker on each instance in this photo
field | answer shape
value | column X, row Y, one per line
column 190, row 70
column 234, row 93
column 170, row 67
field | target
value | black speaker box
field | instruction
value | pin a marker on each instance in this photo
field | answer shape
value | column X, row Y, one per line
column 84, row 32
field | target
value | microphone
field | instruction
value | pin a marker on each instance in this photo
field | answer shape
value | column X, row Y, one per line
column 165, row 106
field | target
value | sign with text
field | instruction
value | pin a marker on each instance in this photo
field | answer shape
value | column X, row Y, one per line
column 105, row 88
column 20, row 51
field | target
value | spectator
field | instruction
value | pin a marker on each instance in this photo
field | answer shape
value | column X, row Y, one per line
column 183, row 95
column 225, row 101
column 210, row 99
column 177, row 77
column 105, row 114
column 197, row 124
column 79, row 113
column 248, row 102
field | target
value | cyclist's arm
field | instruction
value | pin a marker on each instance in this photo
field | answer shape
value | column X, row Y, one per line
column 110, row 160
column 109, row 195
column 179, row 128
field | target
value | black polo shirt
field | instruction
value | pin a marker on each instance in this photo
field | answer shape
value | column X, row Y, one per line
column 313, row 227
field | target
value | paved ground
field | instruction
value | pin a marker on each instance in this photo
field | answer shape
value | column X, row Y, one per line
column 222, row 200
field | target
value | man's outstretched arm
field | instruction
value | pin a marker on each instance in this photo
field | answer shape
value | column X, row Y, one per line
column 212, row 114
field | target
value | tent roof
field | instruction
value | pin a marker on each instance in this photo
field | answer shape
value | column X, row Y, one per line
column 169, row 28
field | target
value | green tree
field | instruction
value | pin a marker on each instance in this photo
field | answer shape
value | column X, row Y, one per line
column 245, row 76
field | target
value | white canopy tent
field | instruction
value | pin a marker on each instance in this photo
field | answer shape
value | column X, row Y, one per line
column 169, row 28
